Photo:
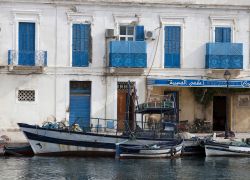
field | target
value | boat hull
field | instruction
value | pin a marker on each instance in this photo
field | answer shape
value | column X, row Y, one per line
column 47, row 141
column 225, row 150
column 167, row 152
column 22, row 150
column 55, row 142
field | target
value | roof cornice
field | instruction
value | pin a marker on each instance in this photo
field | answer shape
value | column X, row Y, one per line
column 227, row 4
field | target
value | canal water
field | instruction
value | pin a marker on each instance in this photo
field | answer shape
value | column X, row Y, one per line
column 107, row 168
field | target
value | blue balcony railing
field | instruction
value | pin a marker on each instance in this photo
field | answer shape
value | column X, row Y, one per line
column 27, row 58
column 224, row 55
column 127, row 54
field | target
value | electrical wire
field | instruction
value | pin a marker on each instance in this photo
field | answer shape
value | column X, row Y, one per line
column 157, row 43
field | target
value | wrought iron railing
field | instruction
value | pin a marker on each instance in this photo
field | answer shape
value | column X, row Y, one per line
column 40, row 58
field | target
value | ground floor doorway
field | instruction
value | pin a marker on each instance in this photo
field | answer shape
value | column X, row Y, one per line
column 125, row 105
column 219, row 113
column 80, row 97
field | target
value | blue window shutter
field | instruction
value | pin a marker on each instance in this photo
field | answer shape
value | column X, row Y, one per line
column 139, row 33
column 227, row 35
column 172, row 46
column 218, row 34
column 222, row 34
column 26, row 44
column 80, row 45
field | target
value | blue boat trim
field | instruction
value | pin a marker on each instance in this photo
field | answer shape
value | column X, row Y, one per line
column 37, row 137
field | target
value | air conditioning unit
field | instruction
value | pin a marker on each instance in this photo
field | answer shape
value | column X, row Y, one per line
column 149, row 35
column 110, row 33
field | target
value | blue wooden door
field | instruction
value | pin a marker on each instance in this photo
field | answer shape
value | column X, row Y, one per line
column 80, row 110
column 80, row 105
column 172, row 46
column 80, row 45
column 26, row 44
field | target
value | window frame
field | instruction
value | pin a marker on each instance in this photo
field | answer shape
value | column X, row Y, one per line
column 82, row 42
column 172, row 20
column 79, row 18
column 25, row 16
column 126, row 36
column 180, row 49
column 223, row 21
column 223, row 26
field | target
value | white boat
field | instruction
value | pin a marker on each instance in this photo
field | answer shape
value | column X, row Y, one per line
column 53, row 141
column 160, row 150
column 62, row 142
column 232, row 148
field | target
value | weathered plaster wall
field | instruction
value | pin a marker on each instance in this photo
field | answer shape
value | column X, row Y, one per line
column 241, row 117
column 187, row 105
column 55, row 36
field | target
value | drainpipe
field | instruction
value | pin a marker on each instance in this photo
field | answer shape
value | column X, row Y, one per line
column 106, row 76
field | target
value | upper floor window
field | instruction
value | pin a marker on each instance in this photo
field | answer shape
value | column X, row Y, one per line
column 131, row 33
column 26, row 44
column 223, row 34
column 127, row 33
column 172, row 46
column 81, row 45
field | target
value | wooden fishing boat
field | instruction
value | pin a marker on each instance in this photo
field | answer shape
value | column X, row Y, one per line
column 18, row 150
column 160, row 150
column 51, row 139
column 232, row 148
column 3, row 140
column 60, row 142
column 64, row 142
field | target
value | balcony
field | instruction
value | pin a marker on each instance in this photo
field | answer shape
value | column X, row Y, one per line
column 224, row 55
column 30, row 61
column 127, row 54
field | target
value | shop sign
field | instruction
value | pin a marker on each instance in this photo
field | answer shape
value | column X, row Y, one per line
column 199, row 83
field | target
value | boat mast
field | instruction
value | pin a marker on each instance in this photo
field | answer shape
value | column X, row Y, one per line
column 127, row 109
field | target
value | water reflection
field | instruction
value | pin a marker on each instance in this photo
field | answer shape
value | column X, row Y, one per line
column 108, row 168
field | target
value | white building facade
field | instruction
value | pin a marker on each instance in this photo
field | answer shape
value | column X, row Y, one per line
column 71, row 59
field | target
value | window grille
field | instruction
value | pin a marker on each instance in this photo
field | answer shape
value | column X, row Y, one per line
column 124, row 85
column 26, row 95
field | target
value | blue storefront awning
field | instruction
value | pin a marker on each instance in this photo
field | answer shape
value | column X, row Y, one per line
column 198, row 83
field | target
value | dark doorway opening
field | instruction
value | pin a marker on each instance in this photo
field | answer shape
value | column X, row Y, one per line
column 219, row 113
